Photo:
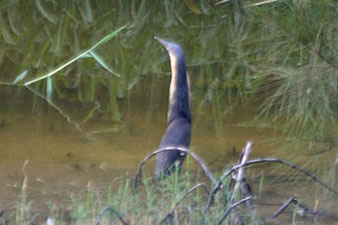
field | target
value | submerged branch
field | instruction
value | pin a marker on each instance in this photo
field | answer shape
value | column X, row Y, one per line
column 59, row 110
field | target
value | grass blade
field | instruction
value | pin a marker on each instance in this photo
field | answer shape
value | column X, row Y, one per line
column 103, row 64
column 20, row 76
column 44, row 13
column 263, row 3
column 105, row 39
column 49, row 90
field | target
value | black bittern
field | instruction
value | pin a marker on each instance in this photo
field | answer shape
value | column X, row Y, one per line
column 178, row 133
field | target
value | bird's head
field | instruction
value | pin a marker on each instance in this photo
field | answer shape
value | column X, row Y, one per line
column 173, row 49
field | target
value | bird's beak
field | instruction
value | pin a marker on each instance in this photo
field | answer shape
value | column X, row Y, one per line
column 163, row 42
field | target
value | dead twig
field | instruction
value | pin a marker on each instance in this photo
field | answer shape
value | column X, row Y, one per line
column 239, row 177
column 219, row 183
column 304, row 211
column 171, row 213
column 291, row 165
column 241, row 183
column 282, row 208
column 232, row 207
column 193, row 155
column 25, row 177
column 116, row 213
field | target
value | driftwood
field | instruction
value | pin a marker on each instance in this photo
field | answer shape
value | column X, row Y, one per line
column 199, row 161
column 218, row 184
column 239, row 177
column 304, row 210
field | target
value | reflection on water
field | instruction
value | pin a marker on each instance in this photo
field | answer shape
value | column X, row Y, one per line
column 55, row 147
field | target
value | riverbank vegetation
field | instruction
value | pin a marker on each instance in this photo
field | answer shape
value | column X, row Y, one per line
column 278, row 58
column 281, row 54
column 186, row 198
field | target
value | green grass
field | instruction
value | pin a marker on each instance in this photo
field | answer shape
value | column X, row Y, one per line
column 183, row 195
column 180, row 195
column 145, row 205
column 300, row 85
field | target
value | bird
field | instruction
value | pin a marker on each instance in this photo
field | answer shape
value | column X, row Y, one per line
column 178, row 132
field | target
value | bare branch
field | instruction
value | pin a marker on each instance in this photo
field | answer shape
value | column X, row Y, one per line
column 284, row 162
column 239, row 177
column 304, row 211
column 231, row 208
column 116, row 213
column 218, row 184
column 200, row 162
column 283, row 207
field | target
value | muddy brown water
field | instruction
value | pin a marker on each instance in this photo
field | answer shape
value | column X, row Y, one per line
column 63, row 160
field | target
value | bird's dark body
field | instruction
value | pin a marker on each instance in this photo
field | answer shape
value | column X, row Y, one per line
column 178, row 133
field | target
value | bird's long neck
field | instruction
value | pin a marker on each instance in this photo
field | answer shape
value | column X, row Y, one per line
column 179, row 106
